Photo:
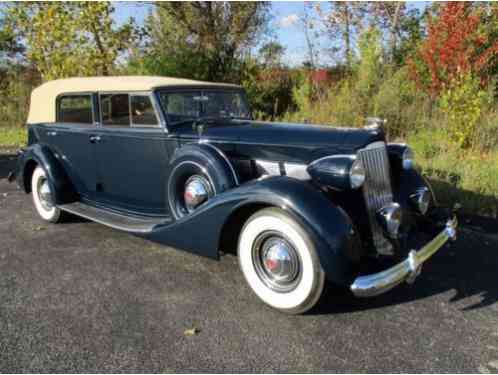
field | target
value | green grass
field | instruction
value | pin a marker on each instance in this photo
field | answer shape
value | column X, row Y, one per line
column 13, row 137
column 464, row 176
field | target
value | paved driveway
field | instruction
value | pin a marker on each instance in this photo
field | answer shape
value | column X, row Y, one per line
column 83, row 297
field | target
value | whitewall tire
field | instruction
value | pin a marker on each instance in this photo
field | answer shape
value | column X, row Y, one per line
column 279, row 261
column 43, row 197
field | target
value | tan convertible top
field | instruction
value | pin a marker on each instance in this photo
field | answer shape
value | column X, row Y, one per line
column 43, row 98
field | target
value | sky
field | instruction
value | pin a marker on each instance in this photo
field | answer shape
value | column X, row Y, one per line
column 285, row 16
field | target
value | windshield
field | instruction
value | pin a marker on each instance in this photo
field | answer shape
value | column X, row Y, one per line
column 181, row 106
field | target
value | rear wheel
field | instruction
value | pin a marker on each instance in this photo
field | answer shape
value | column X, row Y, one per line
column 279, row 261
column 43, row 197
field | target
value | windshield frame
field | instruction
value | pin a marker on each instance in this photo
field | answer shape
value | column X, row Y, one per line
column 202, row 90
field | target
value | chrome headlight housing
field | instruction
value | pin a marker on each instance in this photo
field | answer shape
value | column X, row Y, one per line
column 390, row 217
column 340, row 172
column 421, row 200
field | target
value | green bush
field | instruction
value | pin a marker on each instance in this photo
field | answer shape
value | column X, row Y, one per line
column 349, row 102
column 463, row 103
column 14, row 100
column 398, row 101
column 269, row 89
column 486, row 132
column 13, row 137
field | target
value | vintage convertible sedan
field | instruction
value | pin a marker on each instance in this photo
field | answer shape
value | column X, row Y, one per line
column 182, row 163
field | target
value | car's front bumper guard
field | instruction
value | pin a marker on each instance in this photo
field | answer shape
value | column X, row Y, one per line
column 408, row 270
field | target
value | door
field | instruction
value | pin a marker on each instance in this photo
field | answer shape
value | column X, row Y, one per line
column 70, row 138
column 131, row 155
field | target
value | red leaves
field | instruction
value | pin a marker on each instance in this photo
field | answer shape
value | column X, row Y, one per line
column 454, row 45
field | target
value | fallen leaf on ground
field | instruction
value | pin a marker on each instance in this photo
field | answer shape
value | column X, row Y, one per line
column 483, row 370
column 493, row 364
column 191, row 331
column 39, row 228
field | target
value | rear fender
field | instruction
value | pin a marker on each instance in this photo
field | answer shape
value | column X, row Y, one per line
column 41, row 155
column 329, row 226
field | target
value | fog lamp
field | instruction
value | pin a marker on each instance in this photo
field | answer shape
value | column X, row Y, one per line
column 421, row 200
column 389, row 218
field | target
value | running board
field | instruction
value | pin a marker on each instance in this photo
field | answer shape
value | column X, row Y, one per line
column 114, row 220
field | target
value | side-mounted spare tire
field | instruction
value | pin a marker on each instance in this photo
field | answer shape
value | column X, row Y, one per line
column 197, row 173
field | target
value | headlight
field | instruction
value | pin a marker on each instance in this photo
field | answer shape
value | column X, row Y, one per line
column 401, row 156
column 357, row 174
column 421, row 200
column 407, row 159
column 340, row 172
column 390, row 219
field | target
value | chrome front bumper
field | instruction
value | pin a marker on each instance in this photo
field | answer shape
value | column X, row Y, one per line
column 408, row 270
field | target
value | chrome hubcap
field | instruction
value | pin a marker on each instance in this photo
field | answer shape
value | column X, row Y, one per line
column 197, row 191
column 44, row 194
column 276, row 262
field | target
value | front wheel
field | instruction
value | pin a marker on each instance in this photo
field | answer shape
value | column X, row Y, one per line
column 279, row 261
column 43, row 197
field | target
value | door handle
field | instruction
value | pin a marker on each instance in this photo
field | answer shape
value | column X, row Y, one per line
column 52, row 134
column 94, row 139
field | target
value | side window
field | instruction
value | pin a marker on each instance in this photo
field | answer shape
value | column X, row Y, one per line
column 142, row 111
column 76, row 109
column 115, row 109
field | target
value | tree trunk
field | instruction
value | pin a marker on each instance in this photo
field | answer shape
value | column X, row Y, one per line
column 347, row 35
column 394, row 29
column 100, row 47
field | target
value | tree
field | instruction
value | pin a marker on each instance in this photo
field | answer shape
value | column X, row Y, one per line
column 456, row 44
column 104, row 41
column 69, row 39
column 411, row 34
column 489, row 50
column 204, row 40
column 311, row 36
column 9, row 44
column 388, row 16
column 343, row 22
column 271, row 54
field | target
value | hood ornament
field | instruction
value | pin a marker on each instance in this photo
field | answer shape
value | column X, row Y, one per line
column 376, row 124
column 199, row 128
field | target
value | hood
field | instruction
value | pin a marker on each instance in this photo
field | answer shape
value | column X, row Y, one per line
column 287, row 141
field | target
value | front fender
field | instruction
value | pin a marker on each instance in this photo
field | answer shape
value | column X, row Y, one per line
column 330, row 227
column 39, row 154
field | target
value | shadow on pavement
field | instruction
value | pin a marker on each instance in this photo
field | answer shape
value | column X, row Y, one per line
column 7, row 163
column 468, row 267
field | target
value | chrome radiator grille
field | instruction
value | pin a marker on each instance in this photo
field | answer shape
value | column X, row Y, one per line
column 377, row 189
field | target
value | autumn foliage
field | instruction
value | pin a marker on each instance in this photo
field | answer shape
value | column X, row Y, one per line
column 455, row 45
